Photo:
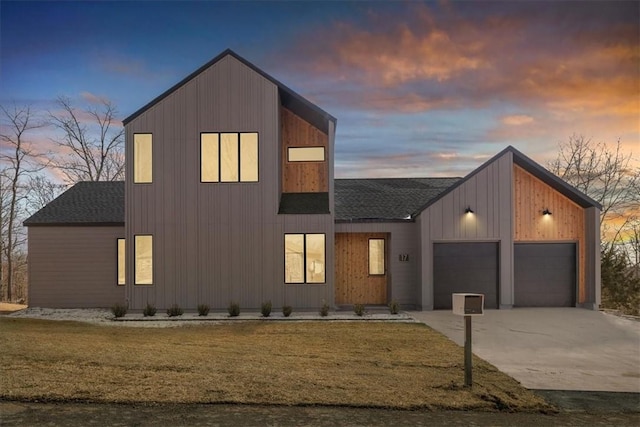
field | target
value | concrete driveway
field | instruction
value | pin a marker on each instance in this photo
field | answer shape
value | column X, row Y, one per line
column 552, row 348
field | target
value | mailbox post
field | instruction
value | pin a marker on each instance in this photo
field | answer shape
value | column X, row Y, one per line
column 468, row 305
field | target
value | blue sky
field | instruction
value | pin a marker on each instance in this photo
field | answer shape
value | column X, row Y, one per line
column 419, row 88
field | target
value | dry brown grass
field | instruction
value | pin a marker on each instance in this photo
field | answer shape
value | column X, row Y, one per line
column 354, row 364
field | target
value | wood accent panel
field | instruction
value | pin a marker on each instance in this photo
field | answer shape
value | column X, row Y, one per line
column 302, row 177
column 353, row 283
column 566, row 222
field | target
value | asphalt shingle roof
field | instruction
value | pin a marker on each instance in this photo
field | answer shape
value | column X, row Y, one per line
column 385, row 198
column 84, row 203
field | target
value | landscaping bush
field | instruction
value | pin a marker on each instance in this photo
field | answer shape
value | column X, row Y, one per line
column 119, row 310
column 324, row 310
column 287, row 310
column 174, row 311
column 149, row 310
column 266, row 309
column 358, row 309
column 233, row 309
column 394, row 307
column 203, row 309
column 620, row 282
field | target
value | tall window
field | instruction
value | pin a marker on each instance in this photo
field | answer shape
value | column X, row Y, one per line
column 142, row 158
column 229, row 157
column 304, row 258
column 376, row 257
column 143, row 247
column 121, row 262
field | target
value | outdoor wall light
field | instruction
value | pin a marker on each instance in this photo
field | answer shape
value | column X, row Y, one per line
column 468, row 210
column 546, row 212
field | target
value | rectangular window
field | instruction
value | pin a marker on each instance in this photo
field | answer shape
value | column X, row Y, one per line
column 142, row 158
column 143, row 248
column 304, row 258
column 305, row 154
column 121, row 262
column 229, row 157
column 376, row 257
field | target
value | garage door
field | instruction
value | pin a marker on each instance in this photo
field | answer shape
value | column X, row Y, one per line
column 465, row 267
column 545, row 274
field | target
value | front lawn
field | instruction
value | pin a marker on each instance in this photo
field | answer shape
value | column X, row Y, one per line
column 368, row 364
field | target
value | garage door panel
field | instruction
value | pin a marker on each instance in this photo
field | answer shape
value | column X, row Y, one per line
column 544, row 274
column 465, row 267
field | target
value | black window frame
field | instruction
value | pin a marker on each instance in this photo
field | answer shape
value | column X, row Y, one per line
column 384, row 257
column 135, row 260
column 304, row 258
column 219, row 181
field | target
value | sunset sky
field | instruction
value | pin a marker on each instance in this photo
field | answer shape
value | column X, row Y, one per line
column 419, row 89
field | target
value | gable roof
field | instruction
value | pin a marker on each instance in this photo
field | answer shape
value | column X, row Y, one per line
column 289, row 99
column 86, row 203
column 385, row 199
column 534, row 169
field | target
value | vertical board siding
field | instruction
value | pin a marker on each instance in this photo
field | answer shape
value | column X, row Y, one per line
column 403, row 277
column 566, row 222
column 74, row 267
column 488, row 194
column 353, row 283
column 302, row 177
column 216, row 242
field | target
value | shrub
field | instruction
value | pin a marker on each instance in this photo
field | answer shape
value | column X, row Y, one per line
column 358, row 309
column 203, row 309
column 620, row 282
column 287, row 310
column 394, row 307
column 149, row 310
column 119, row 310
column 324, row 310
column 233, row 309
column 174, row 311
column 266, row 309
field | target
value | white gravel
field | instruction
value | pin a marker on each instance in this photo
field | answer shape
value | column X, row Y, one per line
column 161, row 320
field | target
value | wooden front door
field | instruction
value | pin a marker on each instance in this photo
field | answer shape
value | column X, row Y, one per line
column 354, row 284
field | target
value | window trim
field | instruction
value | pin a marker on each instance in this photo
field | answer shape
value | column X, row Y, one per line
column 135, row 260
column 324, row 154
column 304, row 258
column 124, row 265
column 239, row 181
column 134, row 158
column 384, row 257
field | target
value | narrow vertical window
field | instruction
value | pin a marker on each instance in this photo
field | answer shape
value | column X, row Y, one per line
column 249, row 157
column 229, row 157
column 143, row 247
column 304, row 258
column 315, row 258
column 121, row 262
column 209, row 160
column 376, row 257
column 142, row 158
column 294, row 258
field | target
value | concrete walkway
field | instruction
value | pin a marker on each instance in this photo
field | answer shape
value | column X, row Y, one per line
column 552, row 348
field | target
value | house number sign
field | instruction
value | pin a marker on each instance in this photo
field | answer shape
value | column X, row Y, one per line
column 404, row 257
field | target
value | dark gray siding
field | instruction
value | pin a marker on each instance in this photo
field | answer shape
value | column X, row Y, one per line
column 74, row 267
column 403, row 281
column 216, row 242
column 592, row 258
column 489, row 194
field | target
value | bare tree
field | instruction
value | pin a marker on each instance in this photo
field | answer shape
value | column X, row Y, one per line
column 18, row 161
column 41, row 191
column 91, row 141
column 605, row 174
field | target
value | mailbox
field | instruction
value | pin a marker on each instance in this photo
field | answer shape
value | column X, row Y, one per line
column 468, row 304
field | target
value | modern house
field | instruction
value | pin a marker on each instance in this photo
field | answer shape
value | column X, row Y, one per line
column 230, row 196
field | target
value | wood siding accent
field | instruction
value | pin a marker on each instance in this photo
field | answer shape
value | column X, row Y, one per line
column 74, row 267
column 353, row 283
column 217, row 242
column 302, row 177
column 566, row 222
column 489, row 193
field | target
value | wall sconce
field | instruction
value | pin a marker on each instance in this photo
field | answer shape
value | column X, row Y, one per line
column 546, row 212
column 468, row 210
